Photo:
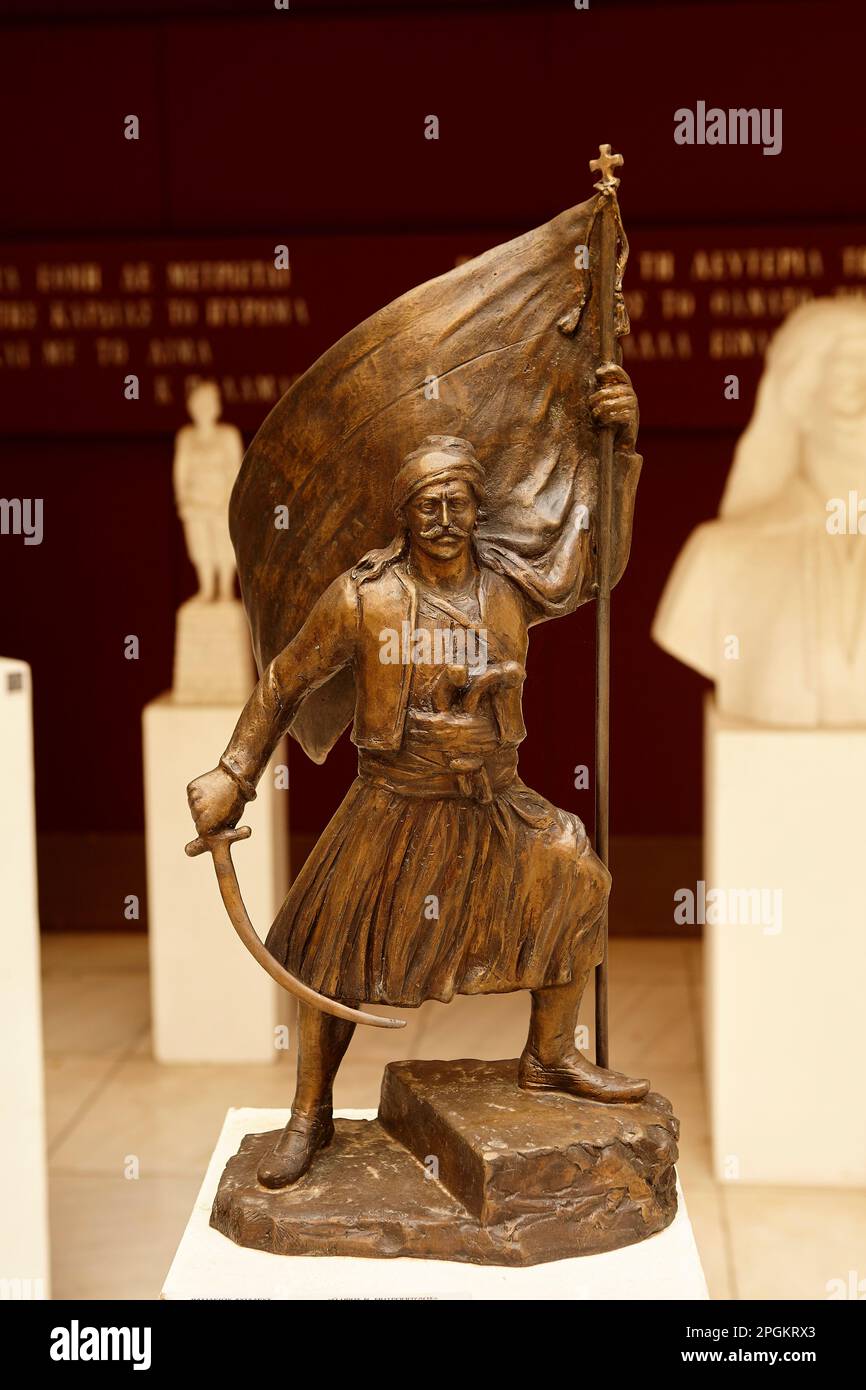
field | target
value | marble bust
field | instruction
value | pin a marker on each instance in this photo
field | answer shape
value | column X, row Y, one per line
column 769, row 600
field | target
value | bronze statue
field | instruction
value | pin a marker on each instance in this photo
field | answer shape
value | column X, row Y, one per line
column 441, row 872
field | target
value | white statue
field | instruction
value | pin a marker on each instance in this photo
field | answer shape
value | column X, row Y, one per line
column 212, row 656
column 770, row 600
column 207, row 458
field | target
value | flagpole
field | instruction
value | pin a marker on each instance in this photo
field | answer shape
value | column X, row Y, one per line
column 606, row 282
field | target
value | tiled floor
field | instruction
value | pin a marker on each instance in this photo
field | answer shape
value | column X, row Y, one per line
column 129, row 1139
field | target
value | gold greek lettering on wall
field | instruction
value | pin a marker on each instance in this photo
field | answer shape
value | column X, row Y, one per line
column 59, row 277
column 849, row 292
column 179, row 352
column 101, row 314
column 58, row 352
column 182, row 313
column 657, row 265
column 262, row 389
column 647, row 346
column 635, row 303
column 112, row 352
column 757, row 302
column 249, row 311
column 136, row 277
column 15, row 353
column 19, row 314
column 854, row 260
column 738, row 342
column 677, row 304
column 758, row 263
column 226, row 276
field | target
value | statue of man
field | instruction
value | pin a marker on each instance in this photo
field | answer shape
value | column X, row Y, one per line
column 441, row 873
column 207, row 458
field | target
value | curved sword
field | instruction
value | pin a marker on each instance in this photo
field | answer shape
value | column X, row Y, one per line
column 219, row 845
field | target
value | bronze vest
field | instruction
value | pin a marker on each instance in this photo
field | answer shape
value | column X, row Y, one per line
column 382, row 688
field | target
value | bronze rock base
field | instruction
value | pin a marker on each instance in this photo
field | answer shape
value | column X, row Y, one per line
column 463, row 1165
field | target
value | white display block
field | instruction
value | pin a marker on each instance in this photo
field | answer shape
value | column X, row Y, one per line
column 785, row 815
column 210, row 1001
column 24, row 1259
column 213, row 660
column 209, row 1265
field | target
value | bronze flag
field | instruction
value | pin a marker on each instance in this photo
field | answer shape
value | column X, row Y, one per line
column 501, row 351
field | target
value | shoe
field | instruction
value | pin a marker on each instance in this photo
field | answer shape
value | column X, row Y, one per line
column 577, row 1076
column 296, row 1148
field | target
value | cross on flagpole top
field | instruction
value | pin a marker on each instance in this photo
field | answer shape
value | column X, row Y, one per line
column 603, row 165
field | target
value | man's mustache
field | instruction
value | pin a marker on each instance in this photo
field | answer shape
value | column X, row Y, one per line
column 433, row 533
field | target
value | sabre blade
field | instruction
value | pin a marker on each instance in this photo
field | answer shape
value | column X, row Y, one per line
column 219, row 845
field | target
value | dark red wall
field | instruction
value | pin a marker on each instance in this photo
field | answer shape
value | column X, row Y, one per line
column 274, row 123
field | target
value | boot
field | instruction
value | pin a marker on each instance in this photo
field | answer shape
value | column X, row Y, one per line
column 322, row 1042
column 296, row 1147
column 577, row 1076
column 550, row 1060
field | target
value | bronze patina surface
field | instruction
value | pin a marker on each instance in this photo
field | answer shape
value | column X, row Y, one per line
column 464, row 1165
column 458, row 469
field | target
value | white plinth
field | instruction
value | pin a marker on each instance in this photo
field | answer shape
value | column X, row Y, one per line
column 785, row 810
column 213, row 660
column 24, row 1261
column 209, row 1265
column 211, row 1002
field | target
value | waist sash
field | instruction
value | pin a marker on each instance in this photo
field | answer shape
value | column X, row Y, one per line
column 445, row 755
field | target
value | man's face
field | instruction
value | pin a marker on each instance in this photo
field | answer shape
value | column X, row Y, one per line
column 441, row 518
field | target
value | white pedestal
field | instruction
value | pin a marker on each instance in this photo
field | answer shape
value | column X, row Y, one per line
column 209, row 1265
column 784, row 999
column 211, row 1002
column 24, row 1263
column 213, row 660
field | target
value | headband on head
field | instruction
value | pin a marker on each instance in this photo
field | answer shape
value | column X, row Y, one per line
column 419, row 470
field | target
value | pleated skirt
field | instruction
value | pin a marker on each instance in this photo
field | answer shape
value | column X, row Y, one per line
column 409, row 898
